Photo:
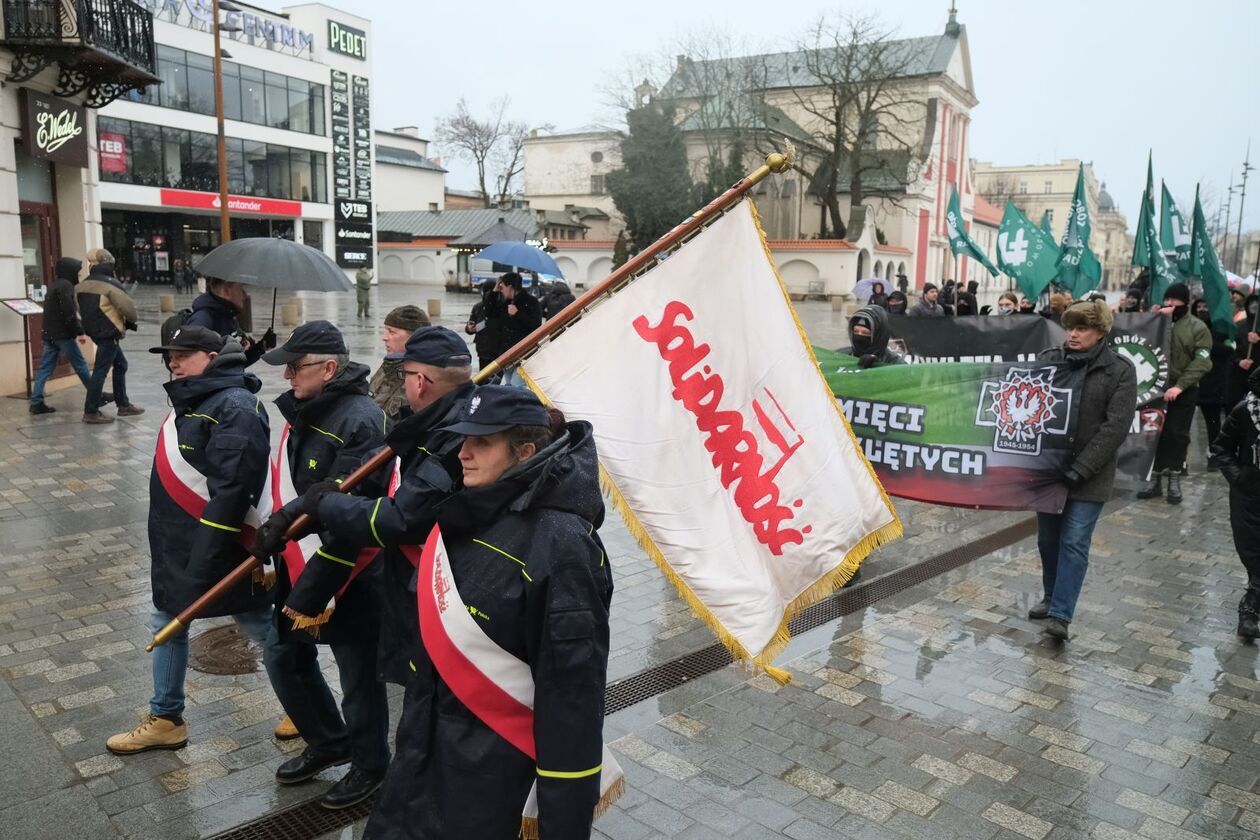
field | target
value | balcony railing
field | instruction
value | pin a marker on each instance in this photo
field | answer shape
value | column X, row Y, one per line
column 103, row 46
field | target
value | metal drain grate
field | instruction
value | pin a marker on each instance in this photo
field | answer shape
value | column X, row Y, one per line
column 307, row 820
column 225, row 651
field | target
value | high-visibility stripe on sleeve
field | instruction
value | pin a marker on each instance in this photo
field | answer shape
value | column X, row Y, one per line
column 202, row 416
column 220, row 527
column 329, row 434
column 372, row 523
column 328, row 556
column 569, row 774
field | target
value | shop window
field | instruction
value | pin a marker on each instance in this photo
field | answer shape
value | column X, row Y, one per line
column 279, row 183
column 236, row 164
column 201, row 172
column 175, row 154
column 253, row 96
column 300, row 160
column 231, row 91
column 313, row 234
column 146, row 157
column 173, row 71
column 277, row 88
column 201, row 84
column 299, row 105
column 255, row 168
column 319, row 177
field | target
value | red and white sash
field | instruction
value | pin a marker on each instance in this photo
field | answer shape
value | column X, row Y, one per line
column 297, row 553
column 495, row 686
column 190, row 490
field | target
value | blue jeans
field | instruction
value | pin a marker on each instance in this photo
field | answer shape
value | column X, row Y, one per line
column 170, row 661
column 54, row 349
column 109, row 355
column 1063, row 540
column 293, row 666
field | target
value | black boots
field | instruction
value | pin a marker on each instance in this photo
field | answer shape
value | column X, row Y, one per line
column 1153, row 490
column 1174, row 489
column 1039, row 610
column 1249, row 615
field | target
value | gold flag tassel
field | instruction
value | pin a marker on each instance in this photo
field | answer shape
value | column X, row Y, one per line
column 529, row 825
column 306, row 622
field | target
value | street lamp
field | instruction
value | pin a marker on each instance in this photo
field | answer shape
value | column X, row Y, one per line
column 225, row 223
column 1242, row 199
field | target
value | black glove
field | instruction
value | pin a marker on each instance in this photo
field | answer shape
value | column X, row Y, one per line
column 131, row 325
column 870, row 360
column 1072, row 478
column 315, row 493
column 270, row 539
column 269, row 339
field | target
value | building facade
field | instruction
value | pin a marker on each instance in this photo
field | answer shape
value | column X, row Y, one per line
column 62, row 62
column 407, row 178
column 297, row 107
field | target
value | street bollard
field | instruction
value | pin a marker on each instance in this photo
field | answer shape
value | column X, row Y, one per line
column 435, row 307
column 166, row 303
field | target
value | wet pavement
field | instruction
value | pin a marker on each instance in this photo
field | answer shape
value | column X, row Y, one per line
column 940, row 711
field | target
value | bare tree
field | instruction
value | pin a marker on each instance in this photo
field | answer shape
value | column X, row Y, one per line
column 494, row 145
column 865, row 119
column 999, row 188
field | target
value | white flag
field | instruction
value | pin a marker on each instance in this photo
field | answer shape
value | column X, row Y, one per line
column 720, row 442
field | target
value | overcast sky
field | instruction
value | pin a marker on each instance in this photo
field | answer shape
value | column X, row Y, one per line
column 1101, row 80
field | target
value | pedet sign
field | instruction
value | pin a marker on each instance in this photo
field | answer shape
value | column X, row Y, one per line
column 347, row 40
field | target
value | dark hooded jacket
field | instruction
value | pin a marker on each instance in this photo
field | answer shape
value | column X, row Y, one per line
column 897, row 303
column 1237, row 450
column 216, row 313
column 106, row 309
column 430, row 461
column 61, row 312
column 1214, row 386
column 1107, row 401
column 223, row 433
column 529, row 564
column 876, row 353
column 509, row 329
column 331, row 434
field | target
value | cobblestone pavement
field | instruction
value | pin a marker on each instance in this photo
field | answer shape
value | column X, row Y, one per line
column 938, row 712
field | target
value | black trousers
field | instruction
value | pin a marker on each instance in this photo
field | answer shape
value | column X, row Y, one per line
column 1174, row 441
column 1244, row 520
column 1211, row 420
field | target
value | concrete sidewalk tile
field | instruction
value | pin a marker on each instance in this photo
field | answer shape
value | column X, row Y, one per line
column 1017, row 821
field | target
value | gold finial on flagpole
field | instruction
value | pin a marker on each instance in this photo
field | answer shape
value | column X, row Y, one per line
column 781, row 161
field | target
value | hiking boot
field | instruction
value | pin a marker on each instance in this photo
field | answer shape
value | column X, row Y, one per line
column 1039, row 610
column 1249, row 615
column 154, row 733
column 286, row 729
column 1174, row 489
column 354, row 787
column 1153, row 490
column 1057, row 628
column 41, row 408
column 97, row 419
column 130, row 411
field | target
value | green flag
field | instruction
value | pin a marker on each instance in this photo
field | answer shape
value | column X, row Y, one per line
column 1174, row 235
column 1026, row 253
column 1206, row 265
column 1147, row 250
column 1047, row 226
column 1079, row 270
column 959, row 241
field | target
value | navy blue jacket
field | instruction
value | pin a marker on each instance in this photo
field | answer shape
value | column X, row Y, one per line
column 528, row 563
column 223, row 432
column 213, row 312
column 429, row 461
column 331, row 434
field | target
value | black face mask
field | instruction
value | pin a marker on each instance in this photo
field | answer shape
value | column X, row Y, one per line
column 897, row 306
column 1179, row 311
column 861, row 344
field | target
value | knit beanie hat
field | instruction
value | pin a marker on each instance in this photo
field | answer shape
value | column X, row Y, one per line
column 927, row 287
column 409, row 318
column 1178, row 291
column 1088, row 314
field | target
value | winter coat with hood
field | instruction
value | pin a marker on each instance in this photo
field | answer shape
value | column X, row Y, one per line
column 1108, row 398
column 1237, row 447
column 107, row 311
column 1214, row 386
column 223, row 433
column 218, row 314
column 1191, row 357
column 511, row 328
column 876, row 352
column 529, row 564
column 330, row 434
column 61, row 312
column 926, row 309
column 430, row 463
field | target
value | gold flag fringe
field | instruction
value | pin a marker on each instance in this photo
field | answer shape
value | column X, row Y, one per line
column 266, row 577
column 529, row 825
column 306, row 622
column 819, row 589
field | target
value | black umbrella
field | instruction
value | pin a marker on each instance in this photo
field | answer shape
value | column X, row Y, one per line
column 275, row 263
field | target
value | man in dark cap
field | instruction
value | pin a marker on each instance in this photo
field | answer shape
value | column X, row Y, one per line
column 436, row 367
column 386, row 385
column 207, row 494
column 1191, row 360
column 332, row 425
column 62, row 333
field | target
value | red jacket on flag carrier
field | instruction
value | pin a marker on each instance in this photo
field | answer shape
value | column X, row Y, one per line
column 529, row 567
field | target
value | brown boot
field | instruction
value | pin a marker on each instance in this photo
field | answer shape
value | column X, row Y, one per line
column 97, row 419
column 154, row 733
column 130, row 411
column 286, row 730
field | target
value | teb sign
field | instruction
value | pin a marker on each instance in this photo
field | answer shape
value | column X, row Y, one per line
column 54, row 129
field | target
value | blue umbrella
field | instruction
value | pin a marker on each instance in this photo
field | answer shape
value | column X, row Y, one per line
column 520, row 255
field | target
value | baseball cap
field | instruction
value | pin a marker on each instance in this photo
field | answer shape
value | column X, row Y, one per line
column 497, row 408
column 192, row 338
column 312, row 337
column 436, row 346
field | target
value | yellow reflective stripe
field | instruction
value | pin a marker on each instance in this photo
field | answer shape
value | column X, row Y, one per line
column 527, row 577
column 425, row 451
column 328, row 556
column 220, row 527
column 330, row 434
column 411, row 665
column 569, row 774
column 384, row 422
column 501, row 551
column 202, row 416
column 257, row 404
column 372, row 523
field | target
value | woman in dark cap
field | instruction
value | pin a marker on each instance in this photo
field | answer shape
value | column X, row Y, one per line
column 524, row 570
column 386, row 385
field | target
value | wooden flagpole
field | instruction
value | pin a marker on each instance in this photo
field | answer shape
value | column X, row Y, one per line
column 775, row 162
